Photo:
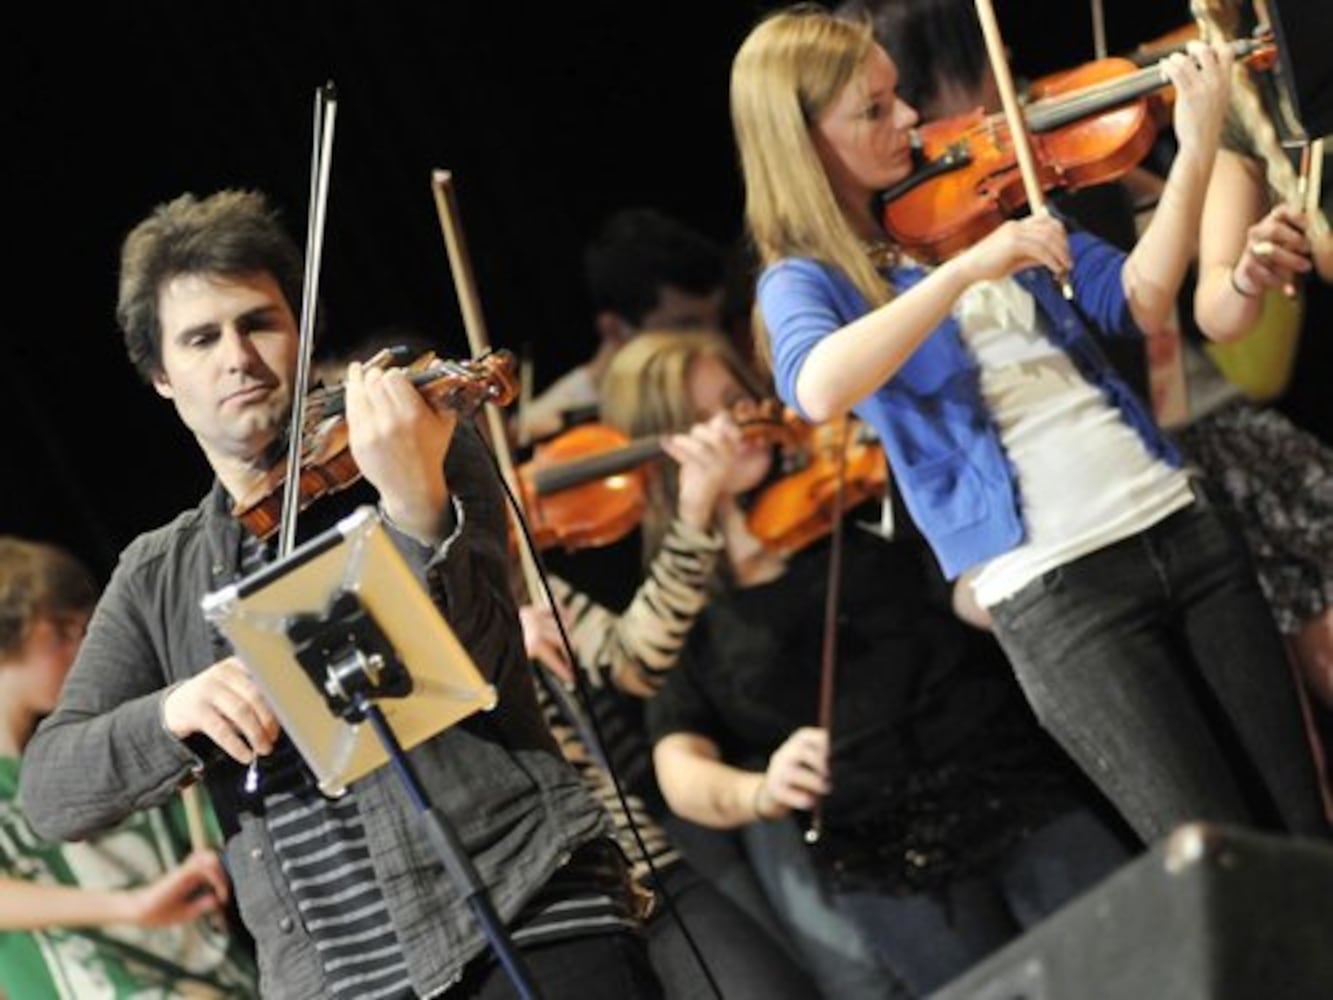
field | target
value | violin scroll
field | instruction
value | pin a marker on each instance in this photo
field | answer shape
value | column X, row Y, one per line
column 465, row 386
column 327, row 465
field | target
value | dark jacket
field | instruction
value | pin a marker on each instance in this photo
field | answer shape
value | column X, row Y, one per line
column 517, row 807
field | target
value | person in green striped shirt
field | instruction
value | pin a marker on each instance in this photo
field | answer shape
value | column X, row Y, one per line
column 132, row 912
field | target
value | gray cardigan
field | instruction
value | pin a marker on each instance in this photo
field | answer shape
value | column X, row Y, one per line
column 517, row 807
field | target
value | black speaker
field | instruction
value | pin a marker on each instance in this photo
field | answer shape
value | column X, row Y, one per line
column 1211, row 913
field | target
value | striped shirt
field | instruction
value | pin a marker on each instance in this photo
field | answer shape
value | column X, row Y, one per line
column 630, row 653
column 321, row 846
column 322, row 849
column 589, row 895
column 637, row 648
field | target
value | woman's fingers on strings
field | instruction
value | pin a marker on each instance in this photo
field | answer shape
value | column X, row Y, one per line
column 698, row 447
column 682, row 448
column 1182, row 70
column 1199, row 62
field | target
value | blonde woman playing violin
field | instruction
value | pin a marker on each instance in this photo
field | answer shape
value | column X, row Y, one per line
column 935, row 787
column 1115, row 590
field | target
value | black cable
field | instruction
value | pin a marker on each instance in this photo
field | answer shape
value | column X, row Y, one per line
column 585, row 700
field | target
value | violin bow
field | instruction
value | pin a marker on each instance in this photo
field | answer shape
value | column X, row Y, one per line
column 326, row 108
column 828, row 654
column 1098, row 30
column 526, row 374
column 1018, row 133
column 1312, row 185
column 465, row 286
column 194, row 817
column 321, row 155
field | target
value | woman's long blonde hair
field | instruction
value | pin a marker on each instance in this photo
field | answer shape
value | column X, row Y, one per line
column 645, row 392
column 1220, row 20
column 786, row 73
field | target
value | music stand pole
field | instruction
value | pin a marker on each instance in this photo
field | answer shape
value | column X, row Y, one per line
column 451, row 852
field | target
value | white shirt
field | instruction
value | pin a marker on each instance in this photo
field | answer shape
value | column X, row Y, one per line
column 1085, row 477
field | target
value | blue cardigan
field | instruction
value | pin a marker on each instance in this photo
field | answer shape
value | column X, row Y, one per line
column 941, row 441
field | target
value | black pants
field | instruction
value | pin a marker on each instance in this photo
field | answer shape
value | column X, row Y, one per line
column 610, row 966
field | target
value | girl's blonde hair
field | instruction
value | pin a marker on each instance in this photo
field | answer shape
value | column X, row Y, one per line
column 785, row 75
column 1220, row 20
column 645, row 392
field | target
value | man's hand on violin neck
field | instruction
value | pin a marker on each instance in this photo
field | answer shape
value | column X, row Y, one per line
column 223, row 704
column 399, row 443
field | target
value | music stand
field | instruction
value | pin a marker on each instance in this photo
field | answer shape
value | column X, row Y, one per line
column 342, row 632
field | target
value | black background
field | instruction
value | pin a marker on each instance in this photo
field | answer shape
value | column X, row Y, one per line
column 550, row 117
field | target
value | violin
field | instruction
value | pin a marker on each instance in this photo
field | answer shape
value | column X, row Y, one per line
column 801, row 504
column 327, row 465
column 1088, row 126
column 1154, row 49
column 586, row 488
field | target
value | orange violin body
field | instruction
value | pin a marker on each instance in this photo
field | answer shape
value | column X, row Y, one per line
column 944, row 216
column 596, row 511
column 799, row 507
column 327, row 465
column 587, row 487
column 1087, row 126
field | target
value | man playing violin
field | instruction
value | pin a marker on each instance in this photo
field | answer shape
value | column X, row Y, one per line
column 343, row 896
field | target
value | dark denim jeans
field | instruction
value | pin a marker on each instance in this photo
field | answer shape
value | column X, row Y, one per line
column 845, row 963
column 743, row 960
column 931, row 938
column 1156, row 664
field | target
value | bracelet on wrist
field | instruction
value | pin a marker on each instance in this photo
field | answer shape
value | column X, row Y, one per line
column 1235, row 286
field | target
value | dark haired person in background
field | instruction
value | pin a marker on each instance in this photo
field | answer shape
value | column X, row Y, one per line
column 644, row 271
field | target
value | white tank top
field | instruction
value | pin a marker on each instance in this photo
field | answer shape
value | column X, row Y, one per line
column 1085, row 477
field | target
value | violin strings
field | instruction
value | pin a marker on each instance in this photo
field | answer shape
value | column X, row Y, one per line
column 1047, row 113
